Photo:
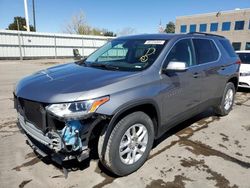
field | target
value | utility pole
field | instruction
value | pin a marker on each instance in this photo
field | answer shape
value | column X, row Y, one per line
column 19, row 41
column 26, row 15
column 34, row 14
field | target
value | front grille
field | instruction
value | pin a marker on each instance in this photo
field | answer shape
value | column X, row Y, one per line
column 33, row 112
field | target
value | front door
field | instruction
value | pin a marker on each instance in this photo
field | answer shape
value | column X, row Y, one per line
column 182, row 90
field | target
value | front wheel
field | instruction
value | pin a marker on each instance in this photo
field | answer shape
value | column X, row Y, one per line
column 129, row 144
column 227, row 100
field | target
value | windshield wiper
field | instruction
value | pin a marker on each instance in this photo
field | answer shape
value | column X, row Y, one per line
column 105, row 66
column 81, row 62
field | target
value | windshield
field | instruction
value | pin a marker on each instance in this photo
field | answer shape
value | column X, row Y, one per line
column 126, row 55
column 244, row 57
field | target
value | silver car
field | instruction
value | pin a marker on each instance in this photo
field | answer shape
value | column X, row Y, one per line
column 126, row 95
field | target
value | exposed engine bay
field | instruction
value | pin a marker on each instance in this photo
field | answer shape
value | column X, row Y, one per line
column 67, row 139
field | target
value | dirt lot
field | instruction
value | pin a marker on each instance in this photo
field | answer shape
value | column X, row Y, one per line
column 205, row 151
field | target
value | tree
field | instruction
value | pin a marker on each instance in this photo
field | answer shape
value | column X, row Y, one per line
column 21, row 23
column 170, row 27
column 79, row 25
column 127, row 31
column 108, row 33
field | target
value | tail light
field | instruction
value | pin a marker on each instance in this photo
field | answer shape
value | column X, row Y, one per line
column 238, row 62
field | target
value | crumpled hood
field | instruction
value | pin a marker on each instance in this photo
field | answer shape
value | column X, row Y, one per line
column 65, row 83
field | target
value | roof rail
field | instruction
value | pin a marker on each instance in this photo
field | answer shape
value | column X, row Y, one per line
column 206, row 34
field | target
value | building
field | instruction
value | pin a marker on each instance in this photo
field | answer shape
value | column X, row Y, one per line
column 233, row 24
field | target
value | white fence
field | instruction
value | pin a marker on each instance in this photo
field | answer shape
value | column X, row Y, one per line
column 29, row 45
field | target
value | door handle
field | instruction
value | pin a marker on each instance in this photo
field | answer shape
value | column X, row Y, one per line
column 222, row 67
column 196, row 75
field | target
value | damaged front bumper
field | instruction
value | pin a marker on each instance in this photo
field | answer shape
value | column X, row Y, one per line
column 71, row 142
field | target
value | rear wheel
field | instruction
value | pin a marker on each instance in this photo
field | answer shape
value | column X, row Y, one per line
column 227, row 100
column 129, row 144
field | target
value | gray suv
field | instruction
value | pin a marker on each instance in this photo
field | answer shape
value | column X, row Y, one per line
column 124, row 96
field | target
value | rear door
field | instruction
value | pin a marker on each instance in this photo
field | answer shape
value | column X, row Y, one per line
column 208, row 59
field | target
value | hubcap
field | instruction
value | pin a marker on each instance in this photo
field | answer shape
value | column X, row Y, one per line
column 133, row 144
column 229, row 99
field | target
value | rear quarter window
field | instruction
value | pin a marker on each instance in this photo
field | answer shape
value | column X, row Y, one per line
column 205, row 50
column 228, row 48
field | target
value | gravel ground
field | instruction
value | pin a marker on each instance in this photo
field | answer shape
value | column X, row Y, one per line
column 205, row 151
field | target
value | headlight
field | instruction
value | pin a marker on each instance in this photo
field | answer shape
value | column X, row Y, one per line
column 77, row 109
column 245, row 74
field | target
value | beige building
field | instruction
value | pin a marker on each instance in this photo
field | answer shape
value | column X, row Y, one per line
column 233, row 24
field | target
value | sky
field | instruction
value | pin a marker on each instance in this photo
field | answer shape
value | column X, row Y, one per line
column 142, row 15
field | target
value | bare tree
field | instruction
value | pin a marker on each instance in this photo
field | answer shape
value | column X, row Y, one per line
column 127, row 31
column 78, row 25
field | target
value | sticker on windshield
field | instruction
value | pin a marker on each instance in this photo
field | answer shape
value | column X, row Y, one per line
column 138, row 67
column 159, row 42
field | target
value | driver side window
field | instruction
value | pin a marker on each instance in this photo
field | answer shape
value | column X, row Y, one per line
column 118, row 52
column 182, row 52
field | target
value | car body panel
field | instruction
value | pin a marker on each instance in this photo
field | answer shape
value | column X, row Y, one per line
column 244, row 81
column 70, row 82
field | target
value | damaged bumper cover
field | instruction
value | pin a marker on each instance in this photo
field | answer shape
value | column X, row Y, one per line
column 67, row 144
column 63, row 129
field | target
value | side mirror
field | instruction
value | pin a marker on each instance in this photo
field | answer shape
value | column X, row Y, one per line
column 176, row 66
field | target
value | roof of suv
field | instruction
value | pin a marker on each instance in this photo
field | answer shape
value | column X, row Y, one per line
column 151, row 36
column 166, row 36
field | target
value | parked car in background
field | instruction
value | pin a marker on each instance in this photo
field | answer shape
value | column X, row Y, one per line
column 244, row 80
column 125, row 95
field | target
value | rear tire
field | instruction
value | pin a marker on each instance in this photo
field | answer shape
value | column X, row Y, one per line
column 128, row 145
column 227, row 101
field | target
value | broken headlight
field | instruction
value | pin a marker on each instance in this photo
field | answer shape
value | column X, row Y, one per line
column 75, row 110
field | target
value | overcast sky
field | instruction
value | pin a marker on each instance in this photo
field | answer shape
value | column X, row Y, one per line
column 142, row 15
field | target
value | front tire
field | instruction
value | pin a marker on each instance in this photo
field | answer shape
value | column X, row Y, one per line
column 227, row 101
column 129, row 144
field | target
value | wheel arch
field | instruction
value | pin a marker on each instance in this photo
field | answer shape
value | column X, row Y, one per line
column 235, row 81
column 147, row 106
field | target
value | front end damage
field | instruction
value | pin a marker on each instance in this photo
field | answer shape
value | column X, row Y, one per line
column 61, row 139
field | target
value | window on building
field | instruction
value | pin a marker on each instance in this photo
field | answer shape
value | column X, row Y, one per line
column 247, row 46
column 239, row 25
column 226, row 26
column 192, row 28
column 205, row 50
column 236, row 45
column 203, row 27
column 183, row 28
column 214, row 27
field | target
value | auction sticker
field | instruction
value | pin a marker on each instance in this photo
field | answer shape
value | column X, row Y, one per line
column 159, row 42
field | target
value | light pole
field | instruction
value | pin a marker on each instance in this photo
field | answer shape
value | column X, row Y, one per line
column 19, row 41
column 34, row 14
column 26, row 15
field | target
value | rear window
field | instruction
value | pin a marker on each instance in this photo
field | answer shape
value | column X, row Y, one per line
column 206, row 50
column 228, row 47
column 244, row 57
